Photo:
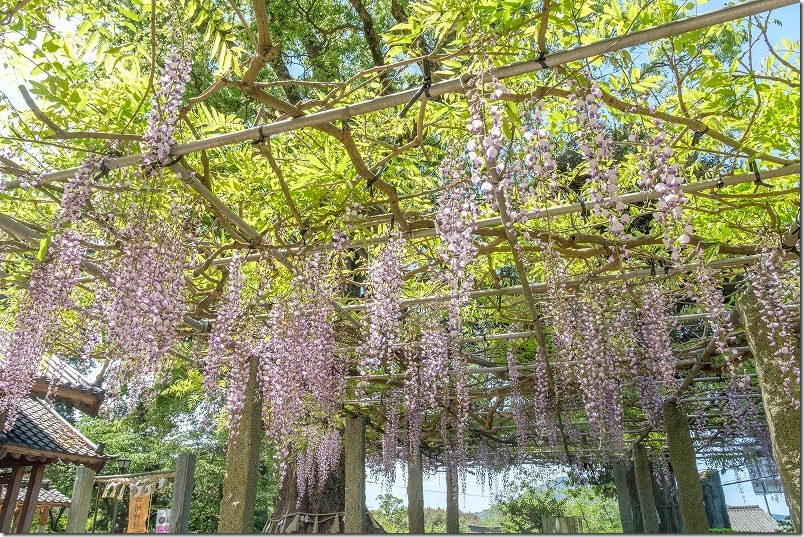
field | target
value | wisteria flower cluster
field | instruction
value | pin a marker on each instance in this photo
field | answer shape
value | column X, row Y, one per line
column 144, row 304
column 658, row 174
column 164, row 114
column 317, row 460
column 38, row 322
column 390, row 440
column 232, row 342
column 595, row 146
column 78, row 191
column 485, row 145
column 300, row 393
column 383, row 309
column 454, row 225
column 770, row 286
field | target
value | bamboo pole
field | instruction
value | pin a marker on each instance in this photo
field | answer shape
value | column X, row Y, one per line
column 549, row 212
column 454, row 85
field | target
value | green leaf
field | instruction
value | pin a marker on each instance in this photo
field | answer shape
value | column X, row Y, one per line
column 44, row 244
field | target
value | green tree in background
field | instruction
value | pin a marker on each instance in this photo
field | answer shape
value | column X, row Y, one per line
column 522, row 510
column 596, row 506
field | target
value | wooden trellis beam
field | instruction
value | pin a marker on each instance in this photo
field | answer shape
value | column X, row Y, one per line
column 454, row 85
column 541, row 287
column 549, row 212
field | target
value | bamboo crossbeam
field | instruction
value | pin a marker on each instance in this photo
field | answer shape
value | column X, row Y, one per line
column 454, row 85
column 541, row 287
column 549, row 212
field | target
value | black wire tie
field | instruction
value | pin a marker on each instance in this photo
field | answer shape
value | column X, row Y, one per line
column 540, row 60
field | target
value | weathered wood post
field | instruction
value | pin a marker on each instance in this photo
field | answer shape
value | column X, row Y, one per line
column 714, row 500
column 620, row 471
column 783, row 417
column 12, row 491
column 242, row 461
column 453, row 522
column 644, row 485
column 182, row 493
column 28, row 510
column 415, row 493
column 354, row 439
column 82, row 495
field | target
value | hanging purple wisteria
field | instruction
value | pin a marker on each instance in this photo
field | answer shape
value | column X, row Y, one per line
column 596, row 148
column 454, row 224
column 772, row 286
column 383, row 317
column 165, row 104
column 300, row 393
column 49, row 294
column 144, row 304
column 659, row 175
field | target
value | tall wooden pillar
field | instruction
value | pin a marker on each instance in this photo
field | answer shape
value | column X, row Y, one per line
column 182, row 493
column 31, row 497
column 10, row 503
column 242, row 461
column 453, row 521
column 82, row 495
column 783, row 417
column 714, row 500
column 682, row 457
column 415, row 494
column 354, row 438
column 620, row 471
column 644, row 484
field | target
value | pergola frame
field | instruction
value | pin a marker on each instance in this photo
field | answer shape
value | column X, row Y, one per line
column 527, row 290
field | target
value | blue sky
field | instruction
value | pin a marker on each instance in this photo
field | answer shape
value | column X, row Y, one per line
column 476, row 500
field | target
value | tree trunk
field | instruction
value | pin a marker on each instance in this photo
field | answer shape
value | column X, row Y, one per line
column 242, row 463
column 329, row 499
column 644, row 483
column 355, row 473
column 682, row 457
column 784, row 418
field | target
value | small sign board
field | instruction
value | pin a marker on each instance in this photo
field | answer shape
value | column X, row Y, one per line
column 162, row 521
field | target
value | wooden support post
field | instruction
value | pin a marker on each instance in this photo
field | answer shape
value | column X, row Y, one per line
column 10, row 503
column 682, row 457
column 28, row 510
column 620, row 471
column 665, row 495
column 82, row 496
column 354, row 439
column 415, row 494
column 644, row 484
column 453, row 522
column 182, row 493
column 783, row 417
column 242, row 461
column 714, row 500
column 44, row 519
